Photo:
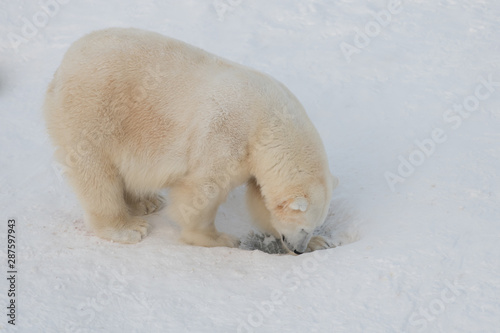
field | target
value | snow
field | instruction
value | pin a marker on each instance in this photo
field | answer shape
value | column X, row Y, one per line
column 422, row 256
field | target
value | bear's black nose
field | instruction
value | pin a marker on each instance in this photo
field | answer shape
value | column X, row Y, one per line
column 297, row 252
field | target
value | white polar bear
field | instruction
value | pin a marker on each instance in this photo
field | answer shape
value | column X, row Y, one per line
column 133, row 112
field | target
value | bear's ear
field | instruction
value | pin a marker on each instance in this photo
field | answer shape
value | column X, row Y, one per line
column 299, row 203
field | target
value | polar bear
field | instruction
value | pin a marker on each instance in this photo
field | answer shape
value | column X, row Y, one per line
column 132, row 112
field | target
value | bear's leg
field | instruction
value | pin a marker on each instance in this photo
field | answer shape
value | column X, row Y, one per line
column 261, row 216
column 195, row 213
column 143, row 204
column 100, row 190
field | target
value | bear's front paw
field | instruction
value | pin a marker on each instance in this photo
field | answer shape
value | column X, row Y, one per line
column 318, row 243
column 228, row 240
column 209, row 239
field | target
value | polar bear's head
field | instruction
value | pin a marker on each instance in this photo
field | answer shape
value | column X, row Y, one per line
column 296, row 216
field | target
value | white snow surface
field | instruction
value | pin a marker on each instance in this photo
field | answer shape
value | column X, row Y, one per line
column 423, row 256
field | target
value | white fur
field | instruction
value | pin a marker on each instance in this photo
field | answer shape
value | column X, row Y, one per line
column 132, row 112
column 299, row 204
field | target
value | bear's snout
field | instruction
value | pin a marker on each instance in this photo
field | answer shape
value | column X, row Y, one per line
column 297, row 243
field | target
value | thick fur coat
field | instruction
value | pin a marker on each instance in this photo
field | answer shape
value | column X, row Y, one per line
column 132, row 112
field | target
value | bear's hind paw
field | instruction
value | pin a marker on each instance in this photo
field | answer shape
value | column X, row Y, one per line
column 132, row 232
